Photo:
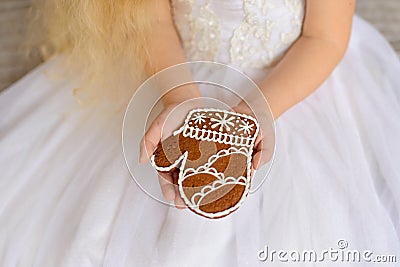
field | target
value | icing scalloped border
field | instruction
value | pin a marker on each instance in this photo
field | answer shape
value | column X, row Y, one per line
column 215, row 185
column 214, row 158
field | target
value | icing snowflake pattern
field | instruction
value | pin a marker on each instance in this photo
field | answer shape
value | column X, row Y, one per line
column 246, row 127
column 223, row 122
column 199, row 118
column 220, row 126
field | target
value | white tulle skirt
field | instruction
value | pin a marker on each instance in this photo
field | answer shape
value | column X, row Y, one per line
column 67, row 198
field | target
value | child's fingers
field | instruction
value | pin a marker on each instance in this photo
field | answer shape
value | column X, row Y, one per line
column 259, row 138
column 179, row 204
column 167, row 186
column 142, row 152
column 262, row 156
column 149, row 141
column 256, row 160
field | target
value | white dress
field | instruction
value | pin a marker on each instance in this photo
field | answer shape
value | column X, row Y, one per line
column 67, row 198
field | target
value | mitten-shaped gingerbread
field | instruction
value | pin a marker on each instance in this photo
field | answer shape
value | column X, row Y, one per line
column 213, row 152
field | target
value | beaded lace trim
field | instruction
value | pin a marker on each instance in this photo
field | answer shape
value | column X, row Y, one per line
column 251, row 43
column 203, row 29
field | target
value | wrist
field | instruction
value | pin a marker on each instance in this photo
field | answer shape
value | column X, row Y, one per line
column 185, row 93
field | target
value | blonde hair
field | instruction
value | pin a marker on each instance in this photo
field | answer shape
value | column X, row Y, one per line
column 104, row 40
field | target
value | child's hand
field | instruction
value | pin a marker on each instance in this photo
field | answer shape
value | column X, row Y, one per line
column 264, row 144
column 168, row 121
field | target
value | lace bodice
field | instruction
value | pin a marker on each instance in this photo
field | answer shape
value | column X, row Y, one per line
column 248, row 34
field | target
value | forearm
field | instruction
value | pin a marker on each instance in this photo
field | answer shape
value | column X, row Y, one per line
column 164, row 50
column 302, row 70
column 311, row 59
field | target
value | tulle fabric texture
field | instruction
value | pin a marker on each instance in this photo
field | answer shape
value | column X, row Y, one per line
column 67, row 198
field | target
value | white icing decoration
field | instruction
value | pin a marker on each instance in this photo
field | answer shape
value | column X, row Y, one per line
column 246, row 127
column 225, row 152
column 199, row 118
column 196, row 207
column 214, row 186
column 182, row 158
column 222, row 122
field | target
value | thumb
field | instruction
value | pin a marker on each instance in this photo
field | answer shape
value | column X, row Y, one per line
column 262, row 156
column 150, row 140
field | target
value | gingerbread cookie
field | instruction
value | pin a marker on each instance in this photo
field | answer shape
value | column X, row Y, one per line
column 213, row 152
